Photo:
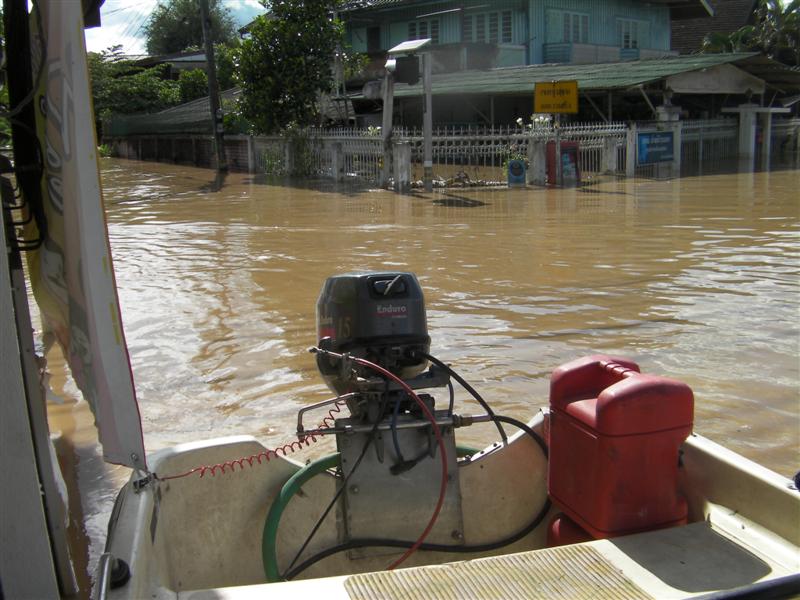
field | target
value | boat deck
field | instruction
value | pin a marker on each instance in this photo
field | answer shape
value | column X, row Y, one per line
column 680, row 562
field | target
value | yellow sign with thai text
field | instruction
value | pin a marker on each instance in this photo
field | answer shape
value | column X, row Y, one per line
column 555, row 97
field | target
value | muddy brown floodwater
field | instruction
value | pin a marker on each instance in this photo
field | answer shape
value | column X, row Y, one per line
column 696, row 279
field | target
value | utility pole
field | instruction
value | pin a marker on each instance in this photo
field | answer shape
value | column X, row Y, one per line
column 213, row 88
column 427, row 123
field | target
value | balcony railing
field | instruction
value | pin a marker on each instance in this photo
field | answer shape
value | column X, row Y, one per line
column 569, row 52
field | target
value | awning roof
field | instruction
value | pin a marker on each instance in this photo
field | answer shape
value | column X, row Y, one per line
column 602, row 77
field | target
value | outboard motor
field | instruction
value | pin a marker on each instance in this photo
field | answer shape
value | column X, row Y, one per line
column 388, row 449
column 376, row 316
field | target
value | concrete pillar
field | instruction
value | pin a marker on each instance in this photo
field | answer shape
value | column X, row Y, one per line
column 669, row 118
column 537, row 161
column 747, row 133
column 288, row 157
column 402, row 166
column 766, row 140
column 337, row 160
column 610, row 155
column 251, row 155
column 630, row 152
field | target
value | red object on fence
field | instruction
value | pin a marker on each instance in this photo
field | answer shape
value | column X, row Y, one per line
column 615, row 435
column 570, row 171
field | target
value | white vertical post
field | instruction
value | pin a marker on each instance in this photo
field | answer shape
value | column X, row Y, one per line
column 766, row 140
column 559, row 181
column 428, row 122
column 677, row 141
column 251, row 155
column 337, row 156
column 630, row 152
column 402, row 167
column 610, row 154
column 537, row 157
column 747, row 131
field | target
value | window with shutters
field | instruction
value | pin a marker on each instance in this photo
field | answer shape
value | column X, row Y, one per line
column 490, row 27
column 633, row 34
column 506, row 31
column 576, row 27
column 419, row 30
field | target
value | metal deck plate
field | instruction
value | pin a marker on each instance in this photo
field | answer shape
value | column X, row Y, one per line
column 567, row 572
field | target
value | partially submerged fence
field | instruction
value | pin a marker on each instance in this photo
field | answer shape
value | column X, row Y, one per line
column 464, row 155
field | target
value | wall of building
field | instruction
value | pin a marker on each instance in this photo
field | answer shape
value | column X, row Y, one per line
column 394, row 24
column 602, row 24
column 533, row 23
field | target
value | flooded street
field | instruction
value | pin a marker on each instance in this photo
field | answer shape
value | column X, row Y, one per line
column 697, row 279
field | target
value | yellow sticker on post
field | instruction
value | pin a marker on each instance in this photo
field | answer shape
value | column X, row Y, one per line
column 555, row 97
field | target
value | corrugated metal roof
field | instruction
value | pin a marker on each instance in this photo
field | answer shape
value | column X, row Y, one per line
column 606, row 76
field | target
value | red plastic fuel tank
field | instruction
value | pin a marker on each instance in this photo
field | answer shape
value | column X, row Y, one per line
column 615, row 435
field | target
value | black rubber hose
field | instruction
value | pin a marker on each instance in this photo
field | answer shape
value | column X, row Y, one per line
column 524, row 427
column 386, row 543
column 467, row 387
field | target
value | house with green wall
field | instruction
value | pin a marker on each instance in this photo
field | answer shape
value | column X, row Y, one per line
column 484, row 34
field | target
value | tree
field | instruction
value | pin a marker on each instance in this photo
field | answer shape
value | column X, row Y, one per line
column 287, row 62
column 775, row 32
column 193, row 85
column 227, row 58
column 5, row 125
column 175, row 26
column 119, row 86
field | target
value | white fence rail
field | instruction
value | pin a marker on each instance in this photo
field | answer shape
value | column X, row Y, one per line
column 464, row 155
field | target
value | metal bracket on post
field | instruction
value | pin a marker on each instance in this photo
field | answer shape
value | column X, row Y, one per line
column 386, row 127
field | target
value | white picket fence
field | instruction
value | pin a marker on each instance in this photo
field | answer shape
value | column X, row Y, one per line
column 464, row 155
column 471, row 154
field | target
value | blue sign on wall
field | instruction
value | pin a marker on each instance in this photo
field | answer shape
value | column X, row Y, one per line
column 654, row 147
column 516, row 172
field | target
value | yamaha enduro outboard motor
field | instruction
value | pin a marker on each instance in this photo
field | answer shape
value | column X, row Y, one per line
column 389, row 457
column 379, row 317
column 376, row 316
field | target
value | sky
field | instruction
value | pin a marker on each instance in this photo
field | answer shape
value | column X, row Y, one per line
column 123, row 22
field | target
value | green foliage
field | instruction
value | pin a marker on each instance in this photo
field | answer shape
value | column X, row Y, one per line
column 175, row 26
column 5, row 125
column 287, row 62
column 104, row 150
column 775, row 32
column 233, row 121
column 193, row 85
column 118, row 86
column 227, row 59
column 302, row 152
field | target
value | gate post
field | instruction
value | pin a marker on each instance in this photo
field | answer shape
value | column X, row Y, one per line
column 670, row 115
column 251, row 155
column 402, row 166
column 610, row 154
column 288, row 156
column 537, row 173
column 337, row 160
column 630, row 152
